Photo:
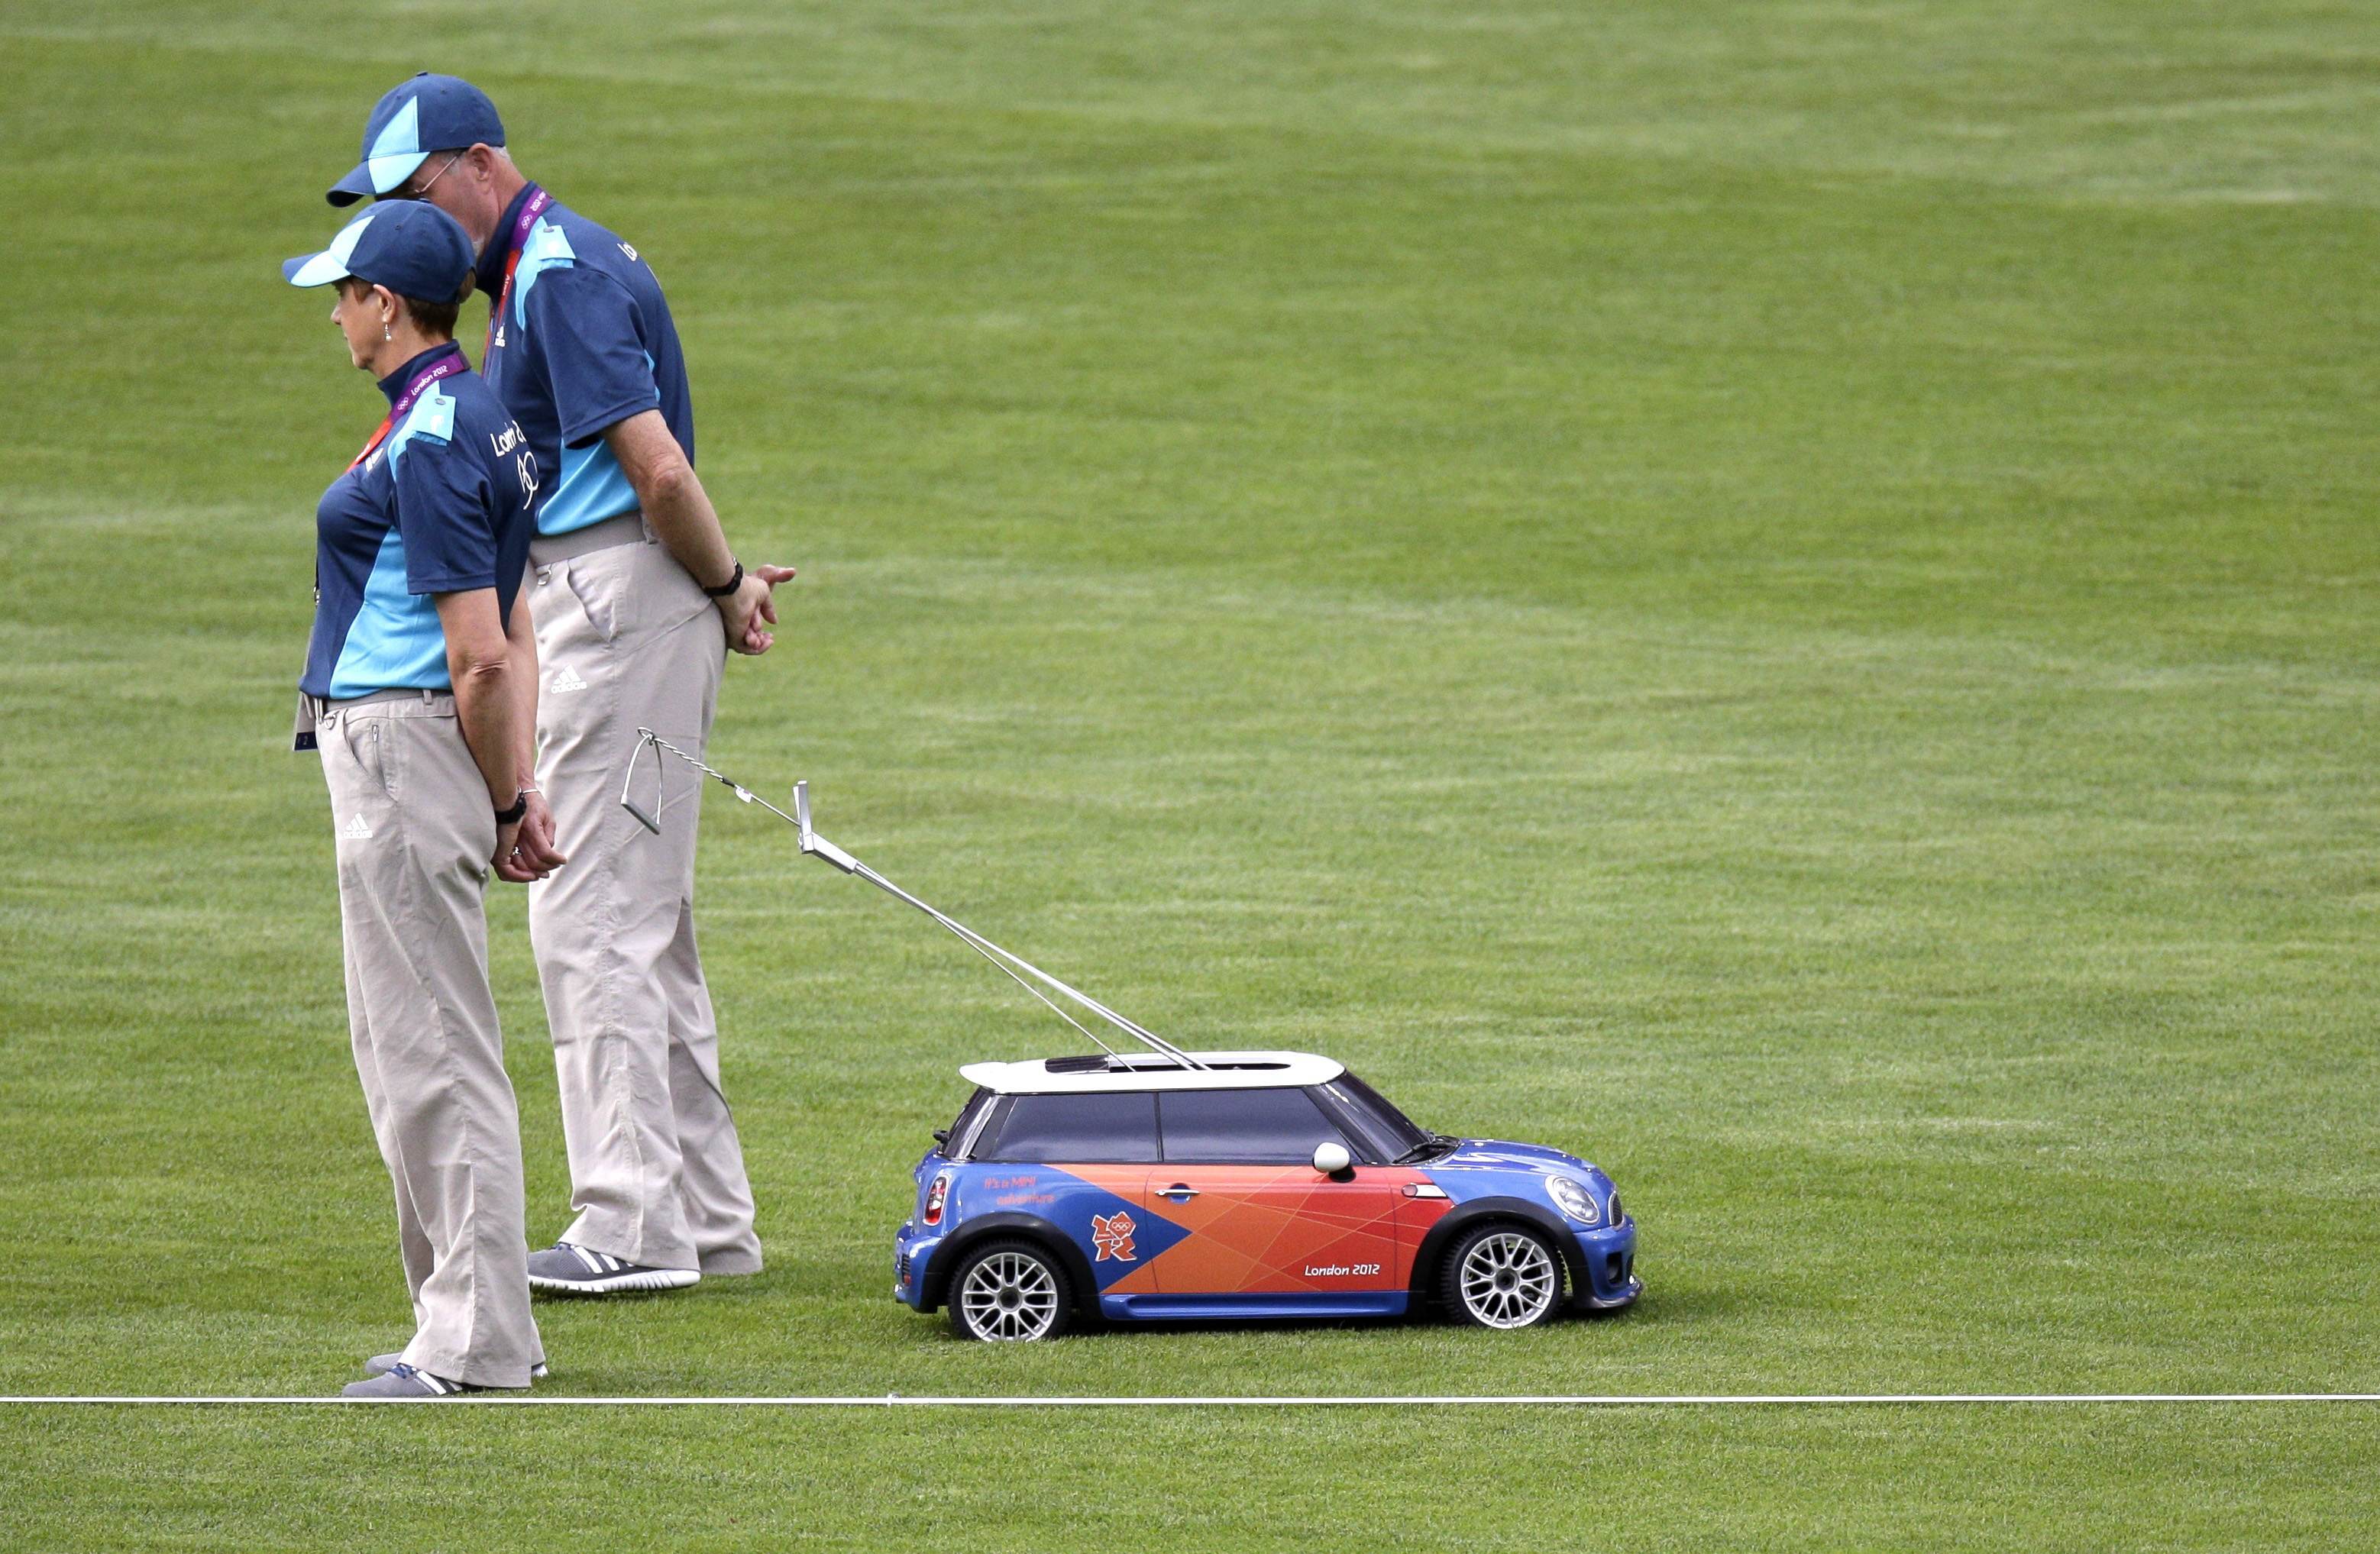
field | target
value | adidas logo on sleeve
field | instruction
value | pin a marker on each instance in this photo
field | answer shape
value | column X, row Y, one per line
column 355, row 830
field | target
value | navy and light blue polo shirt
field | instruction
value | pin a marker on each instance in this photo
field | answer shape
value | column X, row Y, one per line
column 581, row 339
column 441, row 505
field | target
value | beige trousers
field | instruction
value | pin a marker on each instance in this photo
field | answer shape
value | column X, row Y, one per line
column 414, row 826
column 626, row 639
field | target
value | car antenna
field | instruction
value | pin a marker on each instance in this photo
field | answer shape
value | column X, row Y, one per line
column 818, row 847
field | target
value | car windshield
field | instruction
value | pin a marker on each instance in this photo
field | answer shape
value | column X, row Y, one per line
column 1392, row 1134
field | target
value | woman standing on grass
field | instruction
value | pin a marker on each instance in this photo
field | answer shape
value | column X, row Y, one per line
column 420, row 693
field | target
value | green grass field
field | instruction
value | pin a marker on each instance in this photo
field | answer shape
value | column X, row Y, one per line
column 1780, row 595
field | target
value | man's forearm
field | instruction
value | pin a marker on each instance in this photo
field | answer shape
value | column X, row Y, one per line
column 680, row 513
column 520, row 645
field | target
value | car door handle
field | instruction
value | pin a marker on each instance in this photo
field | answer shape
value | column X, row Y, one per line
column 1180, row 1191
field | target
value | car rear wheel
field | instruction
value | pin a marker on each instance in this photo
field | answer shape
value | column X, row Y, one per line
column 1010, row 1292
column 1503, row 1276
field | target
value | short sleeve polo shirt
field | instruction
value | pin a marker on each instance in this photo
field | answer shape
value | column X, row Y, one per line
column 441, row 505
column 581, row 339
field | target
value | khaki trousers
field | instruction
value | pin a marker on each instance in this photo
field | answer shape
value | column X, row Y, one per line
column 415, row 829
column 626, row 639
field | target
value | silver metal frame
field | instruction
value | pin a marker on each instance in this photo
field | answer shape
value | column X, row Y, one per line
column 813, row 846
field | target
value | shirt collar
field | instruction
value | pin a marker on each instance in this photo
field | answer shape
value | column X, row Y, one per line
column 393, row 385
column 491, row 278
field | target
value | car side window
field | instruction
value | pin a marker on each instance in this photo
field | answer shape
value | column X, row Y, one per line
column 1085, row 1129
column 1244, row 1127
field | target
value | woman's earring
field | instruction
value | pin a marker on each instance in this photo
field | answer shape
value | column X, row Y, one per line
column 384, row 330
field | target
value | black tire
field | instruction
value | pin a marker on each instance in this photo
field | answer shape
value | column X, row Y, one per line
column 1020, row 1294
column 1504, row 1275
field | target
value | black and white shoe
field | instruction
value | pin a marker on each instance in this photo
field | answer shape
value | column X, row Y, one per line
column 380, row 1364
column 402, row 1383
column 578, row 1270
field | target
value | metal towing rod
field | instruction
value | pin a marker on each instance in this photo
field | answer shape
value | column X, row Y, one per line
column 817, row 846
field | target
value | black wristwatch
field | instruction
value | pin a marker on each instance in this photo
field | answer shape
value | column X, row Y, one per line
column 723, row 590
column 519, row 808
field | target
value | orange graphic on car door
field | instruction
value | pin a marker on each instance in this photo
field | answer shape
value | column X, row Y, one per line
column 1281, row 1229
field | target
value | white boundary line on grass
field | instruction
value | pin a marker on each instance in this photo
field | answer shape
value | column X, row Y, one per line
column 1560, row 1400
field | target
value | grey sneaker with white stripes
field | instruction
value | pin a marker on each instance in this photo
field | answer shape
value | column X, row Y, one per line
column 403, row 1384
column 380, row 1364
column 579, row 1271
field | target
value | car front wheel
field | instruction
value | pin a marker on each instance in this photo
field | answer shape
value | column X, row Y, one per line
column 1011, row 1292
column 1503, row 1276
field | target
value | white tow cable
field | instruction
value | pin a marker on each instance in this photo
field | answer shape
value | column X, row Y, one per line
column 818, row 847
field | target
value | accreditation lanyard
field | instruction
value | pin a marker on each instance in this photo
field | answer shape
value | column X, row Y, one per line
column 445, row 367
column 531, row 208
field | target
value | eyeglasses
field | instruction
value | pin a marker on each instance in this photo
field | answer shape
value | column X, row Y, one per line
column 401, row 192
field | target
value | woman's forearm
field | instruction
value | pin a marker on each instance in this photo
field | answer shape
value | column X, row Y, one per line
column 488, row 700
column 488, row 695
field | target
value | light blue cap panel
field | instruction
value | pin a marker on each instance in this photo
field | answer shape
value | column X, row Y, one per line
column 397, row 152
column 321, row 268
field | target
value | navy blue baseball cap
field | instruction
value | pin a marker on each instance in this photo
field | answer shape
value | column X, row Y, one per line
column 424, row 115
column 409, row 246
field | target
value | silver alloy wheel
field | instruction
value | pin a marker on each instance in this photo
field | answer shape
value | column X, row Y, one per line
column 1010, row 1295
column 1507, row 1279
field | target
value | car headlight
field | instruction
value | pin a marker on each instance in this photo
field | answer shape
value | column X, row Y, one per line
column 1573, row 1199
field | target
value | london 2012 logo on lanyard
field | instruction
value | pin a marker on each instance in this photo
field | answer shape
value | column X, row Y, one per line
column 445, row 368
column 531, row 208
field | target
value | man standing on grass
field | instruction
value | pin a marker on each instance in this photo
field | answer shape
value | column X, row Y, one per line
column 637, row 601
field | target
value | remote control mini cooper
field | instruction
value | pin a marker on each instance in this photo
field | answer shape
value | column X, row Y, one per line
column 1163, row 1184
column 1255, row 1184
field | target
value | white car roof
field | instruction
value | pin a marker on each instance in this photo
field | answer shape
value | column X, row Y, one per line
column 1152, row 1071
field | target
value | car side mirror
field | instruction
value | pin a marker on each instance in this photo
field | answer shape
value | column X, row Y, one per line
column 1332, row 1159
column 942, row 1136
